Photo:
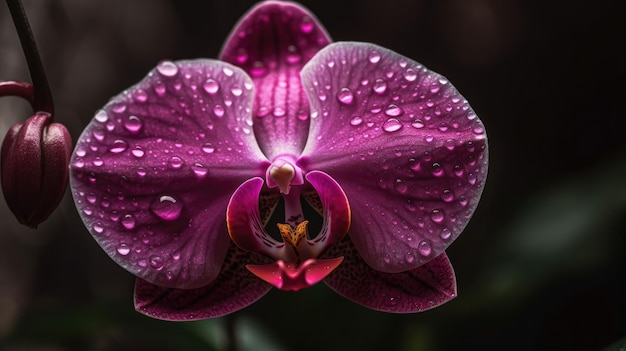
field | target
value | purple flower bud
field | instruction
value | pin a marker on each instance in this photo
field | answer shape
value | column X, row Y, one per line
column 35, row 155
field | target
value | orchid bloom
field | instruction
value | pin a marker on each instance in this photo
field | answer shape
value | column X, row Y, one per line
column 177, row 177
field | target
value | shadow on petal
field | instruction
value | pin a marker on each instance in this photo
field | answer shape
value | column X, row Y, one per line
column 234, row 289
column 419, row 289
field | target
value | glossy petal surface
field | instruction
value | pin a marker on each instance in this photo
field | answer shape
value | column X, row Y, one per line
column 419, row 289
column 152, row 173
column 405, row 146
column 235, row 288
column 289, row 276
column 272, row 43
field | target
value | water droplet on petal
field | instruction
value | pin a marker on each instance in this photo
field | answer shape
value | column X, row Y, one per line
column 374, row 57
column 392, row 301
column 129, row 221
column 279, row 111
column 118, row 146
column 345, row 96
column 199, row 170
column 306, row 25
column 166, row 207
column 133, row 124
column 138, row 152
column 123, row 249
column 392, row 125
column 167, row 68
column 417, row 124
column 258, row 69
column 424, row 248
column 208, row 148
column 176, row 162
column 211, row 86
column 293, row 56
column 379, row 86
column 445, row 234
column 98, row 228
column 356, row 121
column 401, row 186
column 227, row 71
column 436, row 170
column 410, row 75
column 140, row 95
column 447, row 195
column 393, row 111
column 242, row 55
column 156, row 262
column 437, row 216
column 102, row 116
column 236, row 90
column 218, row 110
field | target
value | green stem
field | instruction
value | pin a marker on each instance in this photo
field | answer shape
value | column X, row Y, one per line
column 42, row 99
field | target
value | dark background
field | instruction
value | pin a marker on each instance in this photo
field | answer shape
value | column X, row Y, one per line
column 540, row 267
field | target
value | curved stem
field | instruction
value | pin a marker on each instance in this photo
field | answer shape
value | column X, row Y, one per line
column 42, row 99
column 19, row 89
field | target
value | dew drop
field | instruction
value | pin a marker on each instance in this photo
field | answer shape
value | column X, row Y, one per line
column 98, row 228
column 140, row 95
column 437, row 216
column 118, row 146
column 417, row 124
column 258, row 69
column 345, row 96
column 401, row 187
column 445, row 234
column 392, row 301
column 119, row 108
column 393, row 111
column 208, row 148
column 410, row 75
column 379, row 86
column 436, row 170
column 133, row 124
column 279, row 112
column 293, row 56
column 156, row 262
column 211, row 86
column 447, row 195
column 166, row 207
column 242, row 55
column 160, row 89
column 409, row 257
column 199, row 170
column 102, row 116
column 424, row 248
column 227, row 71
column 356, row 121
column 176, row 162
column 392, row 125
column 306, row 25
column 129, row 221
column 218, row 110
column 236, row 90
column 123, row 249
column 167, row 68
column 138, row 152
column 374, row 57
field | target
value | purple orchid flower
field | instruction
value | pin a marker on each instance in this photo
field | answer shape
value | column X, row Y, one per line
column 177, row 177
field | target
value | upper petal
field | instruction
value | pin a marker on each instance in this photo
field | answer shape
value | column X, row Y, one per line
column 152, row 173
column 272, row 42
column 406, row 147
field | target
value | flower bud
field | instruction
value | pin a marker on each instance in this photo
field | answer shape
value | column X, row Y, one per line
column 35, row 156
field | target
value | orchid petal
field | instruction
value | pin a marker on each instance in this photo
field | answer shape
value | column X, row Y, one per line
column 404, row 145
column 152, row 173
column 272, row 42
column 234, row 289
column 419, row 289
